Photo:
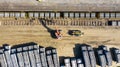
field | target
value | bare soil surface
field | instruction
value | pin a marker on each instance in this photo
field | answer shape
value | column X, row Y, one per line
column 94, row 36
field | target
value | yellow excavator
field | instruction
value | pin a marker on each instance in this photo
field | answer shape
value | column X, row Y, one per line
column 75, row 33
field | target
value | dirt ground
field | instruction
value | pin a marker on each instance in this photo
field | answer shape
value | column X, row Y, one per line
column 93, row 36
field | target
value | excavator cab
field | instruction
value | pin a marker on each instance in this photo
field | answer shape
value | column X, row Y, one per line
column 58, row 34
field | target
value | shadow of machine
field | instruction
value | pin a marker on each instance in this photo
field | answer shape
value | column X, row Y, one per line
column 51, row 31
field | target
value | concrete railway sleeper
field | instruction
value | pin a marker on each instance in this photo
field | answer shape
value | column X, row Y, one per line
column 62, row 21
column 50, row 14
column 33, row 55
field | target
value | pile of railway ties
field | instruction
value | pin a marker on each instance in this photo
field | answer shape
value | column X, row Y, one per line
column 33, row 55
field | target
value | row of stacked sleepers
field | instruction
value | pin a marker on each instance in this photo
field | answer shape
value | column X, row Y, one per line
column 28, row 56
column 32, row 55
column 90, row 57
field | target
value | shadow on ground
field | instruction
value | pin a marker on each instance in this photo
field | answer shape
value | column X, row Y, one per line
column 24, row 44
column 51, row 31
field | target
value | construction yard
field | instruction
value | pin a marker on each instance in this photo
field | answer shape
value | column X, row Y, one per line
column 42, row 22
column 94, row 36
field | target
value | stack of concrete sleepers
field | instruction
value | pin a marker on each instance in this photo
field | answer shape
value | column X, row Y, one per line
column 82, row 15
column 47, row 15
column 107, row 15
column 22, row 14
column 8, row 56
column 28, row 56
column 114, row 23
column 52, row 15
column 42, row 14
column 12, row 14
column 102, row 15
column 36, row 14
column 17, row 14
column 55, row 58
column 66, row 15
column 92, row 56
column 118, row 23
column 80, row 63
column 77, row 15
column 37, row 56
column 85, row 56
column 71, row 15
column 1, row 14
column 6, row 14
column 31, row 14
column 52, row 58
column 67, row 62
column 112, row 15
column 73, row 62
column 43, row 56
column 20, row 57
column 14, row 57
column 117, row 15
column 117, row 55
column 87, row 15
column 93, row 15
column 2, row 58
column 31, row 56
column 101, row 58
column 107, row 54
column 49, row 58
column 57, row 15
